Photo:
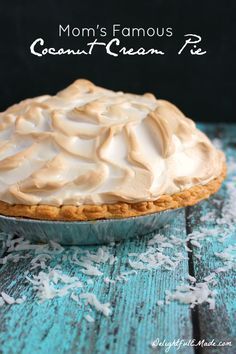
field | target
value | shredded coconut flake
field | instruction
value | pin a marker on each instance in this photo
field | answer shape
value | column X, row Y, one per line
column 75, row 297
column 45, row 284
column 192, row 295
column 160, row 303
column 21, row 300
column 89, row 318
column 94, row 302
column 7, row 298
column 108, row 280
column 191, row 278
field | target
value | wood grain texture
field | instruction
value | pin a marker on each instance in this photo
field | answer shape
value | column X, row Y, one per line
column 58, row 325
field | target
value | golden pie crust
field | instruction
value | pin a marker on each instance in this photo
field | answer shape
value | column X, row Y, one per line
column 118, row 210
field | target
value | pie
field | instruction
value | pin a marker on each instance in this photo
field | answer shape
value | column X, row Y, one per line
column 90, row 153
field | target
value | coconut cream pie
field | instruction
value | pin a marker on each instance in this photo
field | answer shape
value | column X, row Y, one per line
column 91, row 153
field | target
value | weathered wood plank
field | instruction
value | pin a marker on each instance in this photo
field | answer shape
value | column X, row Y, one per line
column 218, row 324
column 58, row 326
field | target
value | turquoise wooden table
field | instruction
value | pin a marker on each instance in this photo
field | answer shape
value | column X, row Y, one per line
column 146, row 313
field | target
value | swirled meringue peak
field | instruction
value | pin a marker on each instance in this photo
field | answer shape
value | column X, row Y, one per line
column 89, row 145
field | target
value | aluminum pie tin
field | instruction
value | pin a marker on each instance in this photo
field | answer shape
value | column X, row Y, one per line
column 85, row 232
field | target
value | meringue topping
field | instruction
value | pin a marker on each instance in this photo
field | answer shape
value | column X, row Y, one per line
column 89, row 145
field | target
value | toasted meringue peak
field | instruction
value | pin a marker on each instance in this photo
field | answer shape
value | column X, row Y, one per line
column 89, row 145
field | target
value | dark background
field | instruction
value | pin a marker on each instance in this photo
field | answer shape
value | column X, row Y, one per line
column 202, row 86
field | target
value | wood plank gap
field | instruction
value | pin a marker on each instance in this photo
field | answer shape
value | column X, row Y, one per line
column 3, row 249
column 196, row 333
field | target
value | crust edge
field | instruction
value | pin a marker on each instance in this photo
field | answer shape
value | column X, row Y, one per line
column 185, row 198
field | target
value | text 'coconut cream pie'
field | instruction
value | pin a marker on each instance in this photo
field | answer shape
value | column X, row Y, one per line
column 90, row 153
